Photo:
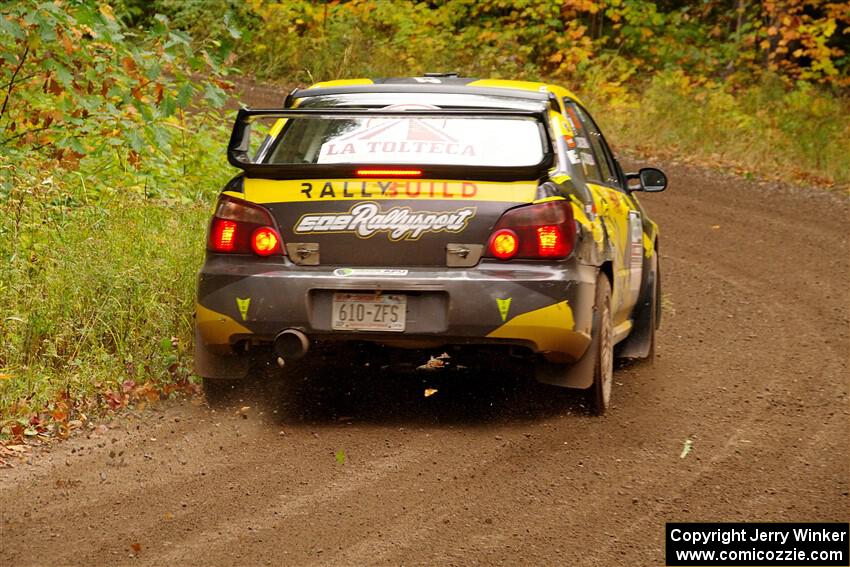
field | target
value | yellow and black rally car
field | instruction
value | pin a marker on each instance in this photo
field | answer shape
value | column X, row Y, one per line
column 429, row 212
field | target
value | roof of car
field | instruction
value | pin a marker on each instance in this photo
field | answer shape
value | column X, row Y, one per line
column 439, row 84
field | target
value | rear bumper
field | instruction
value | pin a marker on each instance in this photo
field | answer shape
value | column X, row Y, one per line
column 546, row 308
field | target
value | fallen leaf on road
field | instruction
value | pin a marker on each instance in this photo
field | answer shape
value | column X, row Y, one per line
column 340, row 457
column 686, row 448
column 432, row 364
column 430, row 392
column 137, row 547
column 17, row 430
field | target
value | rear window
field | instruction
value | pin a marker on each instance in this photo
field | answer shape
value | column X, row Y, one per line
column 485, row 141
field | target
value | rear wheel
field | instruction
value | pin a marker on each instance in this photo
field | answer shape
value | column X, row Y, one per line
column 599, row 393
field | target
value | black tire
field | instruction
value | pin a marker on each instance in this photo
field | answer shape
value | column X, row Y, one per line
column 599, row 393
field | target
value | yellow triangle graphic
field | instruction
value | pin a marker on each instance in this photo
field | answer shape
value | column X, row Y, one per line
column 504, row 307
column 243, row 305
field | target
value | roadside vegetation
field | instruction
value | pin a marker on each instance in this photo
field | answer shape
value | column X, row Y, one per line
column 110, row 152
column 112, row 140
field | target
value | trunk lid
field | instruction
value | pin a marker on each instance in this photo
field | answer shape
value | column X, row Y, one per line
column 387, row 222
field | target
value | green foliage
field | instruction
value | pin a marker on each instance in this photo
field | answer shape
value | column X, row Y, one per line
column 303, row 41
column 80, row 86
column 105, row 176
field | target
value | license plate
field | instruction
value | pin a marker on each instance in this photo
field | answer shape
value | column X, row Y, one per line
column 368, row 312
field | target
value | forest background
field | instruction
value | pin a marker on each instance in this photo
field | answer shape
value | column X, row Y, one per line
column 113, row 130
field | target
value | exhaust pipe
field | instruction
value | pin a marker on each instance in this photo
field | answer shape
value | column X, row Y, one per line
column 291, row 344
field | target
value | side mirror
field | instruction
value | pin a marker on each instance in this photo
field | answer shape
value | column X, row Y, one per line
column 649, row 179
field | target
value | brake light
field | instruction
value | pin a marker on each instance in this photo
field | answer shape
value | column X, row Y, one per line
column 264, row 241
column 240, row 227
column 222, row 234
column 389, row 172
column 550, row 241
column 503, row 244
column 542, row 231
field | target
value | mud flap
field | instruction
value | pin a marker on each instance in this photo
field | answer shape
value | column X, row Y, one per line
column 210, row 364
column 578, row 375
column 639, row 342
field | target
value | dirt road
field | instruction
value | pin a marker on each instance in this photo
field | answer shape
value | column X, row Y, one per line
column 495, row 470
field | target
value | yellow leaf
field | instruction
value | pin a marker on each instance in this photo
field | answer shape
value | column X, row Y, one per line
column 5, row 376
column 106, row 10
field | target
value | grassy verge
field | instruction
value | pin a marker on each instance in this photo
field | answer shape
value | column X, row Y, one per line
column 100, row 262
column 99, row 311
column 111, row 150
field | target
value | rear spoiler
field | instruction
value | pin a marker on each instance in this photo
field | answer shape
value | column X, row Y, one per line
column 238, row 148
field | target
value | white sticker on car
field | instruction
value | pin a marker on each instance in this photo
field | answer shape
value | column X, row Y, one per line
column 433, row 140
column 369, row 272
column 587, row 158
column 635, row 252
column 400, row 223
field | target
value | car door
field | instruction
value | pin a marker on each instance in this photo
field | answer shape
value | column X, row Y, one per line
column 618, row 210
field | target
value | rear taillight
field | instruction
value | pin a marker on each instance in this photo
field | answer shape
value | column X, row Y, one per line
column 222, row 235
column 504, row 244
column 542, row 231
column 265, row 241
column 240, row 227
